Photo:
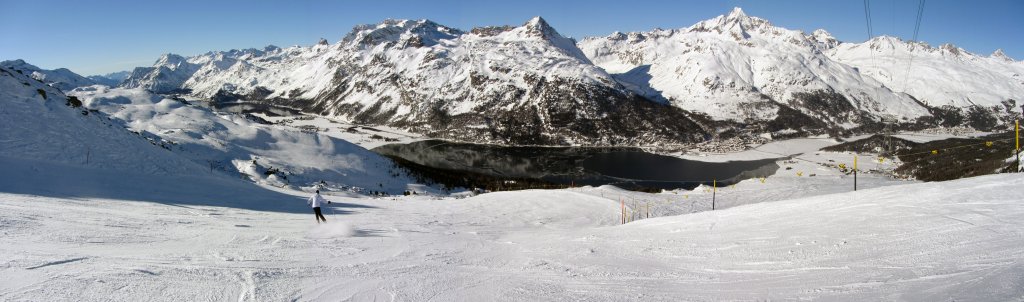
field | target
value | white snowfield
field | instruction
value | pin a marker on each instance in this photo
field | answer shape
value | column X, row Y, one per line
column 957, row 240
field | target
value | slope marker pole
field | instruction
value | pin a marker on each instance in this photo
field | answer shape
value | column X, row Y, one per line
column 714, row 191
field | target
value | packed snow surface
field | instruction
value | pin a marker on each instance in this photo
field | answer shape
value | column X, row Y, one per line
column 959, row 240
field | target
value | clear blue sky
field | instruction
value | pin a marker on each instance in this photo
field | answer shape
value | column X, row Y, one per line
column 92, row 37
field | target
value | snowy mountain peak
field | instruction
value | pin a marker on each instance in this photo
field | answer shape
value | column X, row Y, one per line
column 999, row 54
column 952, row 49
column 170, row 60
column 411, row 33
column 736, row 13
column 736, row 24
column 539, row 26
column 824, row 38
column 884, row 42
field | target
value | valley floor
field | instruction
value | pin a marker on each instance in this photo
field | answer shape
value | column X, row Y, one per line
column 957, row 240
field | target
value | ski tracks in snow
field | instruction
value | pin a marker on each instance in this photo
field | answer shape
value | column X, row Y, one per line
column 905, row 243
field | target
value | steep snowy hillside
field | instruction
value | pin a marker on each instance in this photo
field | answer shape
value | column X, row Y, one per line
column 522, row 85
column 52, row 146
column 40, row 123
column 941, row 76
column 61, row 78
column 741, row 68
column 239, row 146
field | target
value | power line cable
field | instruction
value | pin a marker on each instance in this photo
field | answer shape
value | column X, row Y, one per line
column 871, row 52
column 867, row 17
column 917, row 28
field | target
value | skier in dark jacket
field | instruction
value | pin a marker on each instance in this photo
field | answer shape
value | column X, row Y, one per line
column 315, row 201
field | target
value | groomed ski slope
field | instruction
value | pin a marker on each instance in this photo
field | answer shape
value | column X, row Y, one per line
column 956, row 240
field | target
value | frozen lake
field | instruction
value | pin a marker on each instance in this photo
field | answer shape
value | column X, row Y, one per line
column 629, row 168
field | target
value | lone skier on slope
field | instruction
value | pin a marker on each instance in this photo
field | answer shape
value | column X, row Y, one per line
column 315, row 201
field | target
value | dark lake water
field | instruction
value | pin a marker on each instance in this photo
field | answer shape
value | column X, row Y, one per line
column 628, row 168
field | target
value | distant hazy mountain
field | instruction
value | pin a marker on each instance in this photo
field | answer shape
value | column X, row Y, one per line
column 110, row 79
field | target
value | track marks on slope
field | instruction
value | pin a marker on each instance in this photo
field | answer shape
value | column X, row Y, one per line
column 57, row 263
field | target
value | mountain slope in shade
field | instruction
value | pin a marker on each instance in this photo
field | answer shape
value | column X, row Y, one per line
column 742, row 68
column 61, row 78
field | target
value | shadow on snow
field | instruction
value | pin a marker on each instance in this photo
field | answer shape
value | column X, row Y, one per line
column 75, row 182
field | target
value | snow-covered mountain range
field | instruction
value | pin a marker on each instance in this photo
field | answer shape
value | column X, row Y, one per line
column 945, row 76
column 732, row 75
column 517, row 85
column 742, row 68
